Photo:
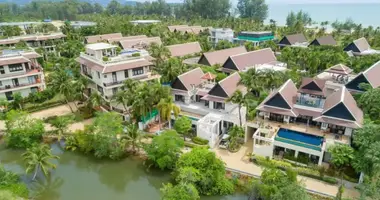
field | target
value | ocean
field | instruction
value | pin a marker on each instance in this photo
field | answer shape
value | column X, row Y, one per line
column 365, row 14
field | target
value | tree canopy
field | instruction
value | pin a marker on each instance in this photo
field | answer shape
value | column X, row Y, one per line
column 255, row 9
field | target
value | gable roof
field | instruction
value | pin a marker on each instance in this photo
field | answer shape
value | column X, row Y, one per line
column 339, row 69
column 231, row 83
column 174, row 27
column 112, row 40
column 192, row 77
column 313, row 86
column 179, row 50
column 220, row 57
column 100, row 38
column 326, row 40
column 287, row 92
column 362, row 44
column 296, row 38
column 340, row 98
column 253, row 58
column 372, row 75
column 127, row 44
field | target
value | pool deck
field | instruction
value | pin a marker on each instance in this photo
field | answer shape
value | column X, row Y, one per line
column 312, row 130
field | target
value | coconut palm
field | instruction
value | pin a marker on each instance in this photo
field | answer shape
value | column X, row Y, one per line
column 61, row 82
column 38, row 158
column 121, row 98
column 237, row 98
column 133, row 136
column 159, row 52
column 61, row 124
column 95, row 100
column 166, row 106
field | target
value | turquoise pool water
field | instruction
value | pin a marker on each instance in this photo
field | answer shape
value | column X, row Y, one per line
column 300, row 139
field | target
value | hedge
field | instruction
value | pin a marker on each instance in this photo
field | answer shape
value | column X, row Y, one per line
column 191, row 145
column 44, row 106
column 303, row 171
column 198, row 140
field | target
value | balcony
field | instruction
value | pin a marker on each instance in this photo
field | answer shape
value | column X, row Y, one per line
column 10, row 87
column 113, row 83
column 310, row 102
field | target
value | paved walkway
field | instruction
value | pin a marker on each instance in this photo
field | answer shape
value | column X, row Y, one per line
column 239, row 161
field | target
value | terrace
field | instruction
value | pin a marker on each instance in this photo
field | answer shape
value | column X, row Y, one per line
column 310, row 101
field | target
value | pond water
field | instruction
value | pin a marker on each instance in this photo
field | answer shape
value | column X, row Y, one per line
column 78, row 177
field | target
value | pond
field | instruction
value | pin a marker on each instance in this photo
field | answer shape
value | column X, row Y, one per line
column 80, row 177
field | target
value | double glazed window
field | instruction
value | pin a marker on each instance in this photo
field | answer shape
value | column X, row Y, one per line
column 15, row 68
column 125, row 73
column 2, row 71
column 138, row 71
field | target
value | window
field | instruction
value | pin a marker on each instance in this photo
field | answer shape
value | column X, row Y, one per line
column 15, row 68
column 218, row 105
column 2, row 71
column 34, row 89
column 114, row 91
column 105, row 75
column 9, row 96
column 98, row 75
column 138, row 71
column 1, row 83
column 100, row 89
column 126, row 73
column 179, row 98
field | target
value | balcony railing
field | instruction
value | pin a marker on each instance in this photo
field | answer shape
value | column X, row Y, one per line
column 311, row 102
column 7, row 87
column 298, row 143
column 112, row 83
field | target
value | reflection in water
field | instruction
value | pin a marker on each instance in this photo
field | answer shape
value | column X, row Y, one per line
column 82, row 177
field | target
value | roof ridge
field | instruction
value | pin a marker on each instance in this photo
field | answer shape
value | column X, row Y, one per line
column 190, row 71
column 229, row 77
column 222, row 50
column 283, row 85
column 374, row 65
column 183, row 44
column 250, row 52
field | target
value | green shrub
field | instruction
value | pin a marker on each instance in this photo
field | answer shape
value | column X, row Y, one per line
column 105, row 58
column 136, row 55
column 198, row 140
column 44, row 106
column 191, row 145
column 330, row 180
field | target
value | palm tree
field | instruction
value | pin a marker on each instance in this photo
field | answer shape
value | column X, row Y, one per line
column 18, row 100
column 133, row 136
column 235, row 133
column 95, row 100
column 61, row 124
column 159, row 52
column 237, row 98
column 166, row 106
column 121, row 98
column 61, row 82
column 38, row 158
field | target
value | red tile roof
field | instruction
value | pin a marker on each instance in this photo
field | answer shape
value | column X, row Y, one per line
column 232, row 83
column 372, row 75
column 179, row 50
column 100, row 38
column 192, row 77
column 140, row 42
column 209, row 76
column 326, row 40
column 113, row 40
column 296, row 38
column 362, row 44
column 339, row 69
column 253, row 58
column 318, row 82
column 220, row 57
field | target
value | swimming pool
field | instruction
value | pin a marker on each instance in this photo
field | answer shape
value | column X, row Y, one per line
column 299, row 139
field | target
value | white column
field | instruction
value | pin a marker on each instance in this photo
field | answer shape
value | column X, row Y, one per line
column 296, row 154
column 320, row 160
column 211, row 104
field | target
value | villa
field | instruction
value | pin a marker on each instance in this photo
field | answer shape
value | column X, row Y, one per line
column 203, row 100
column 117, row 40
column 219, row 34
column 184, row 29
column 360, row 47
column 219, row 57
column 107, row 70
column 21, row 73
column 296, row 40
column 256, row 37
column 369, row 76
column 324, row 40
column 46, row 41
column 139, row 43
column 101, row 38
column 304, row 122
column 187, row 49
column 263, row 59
